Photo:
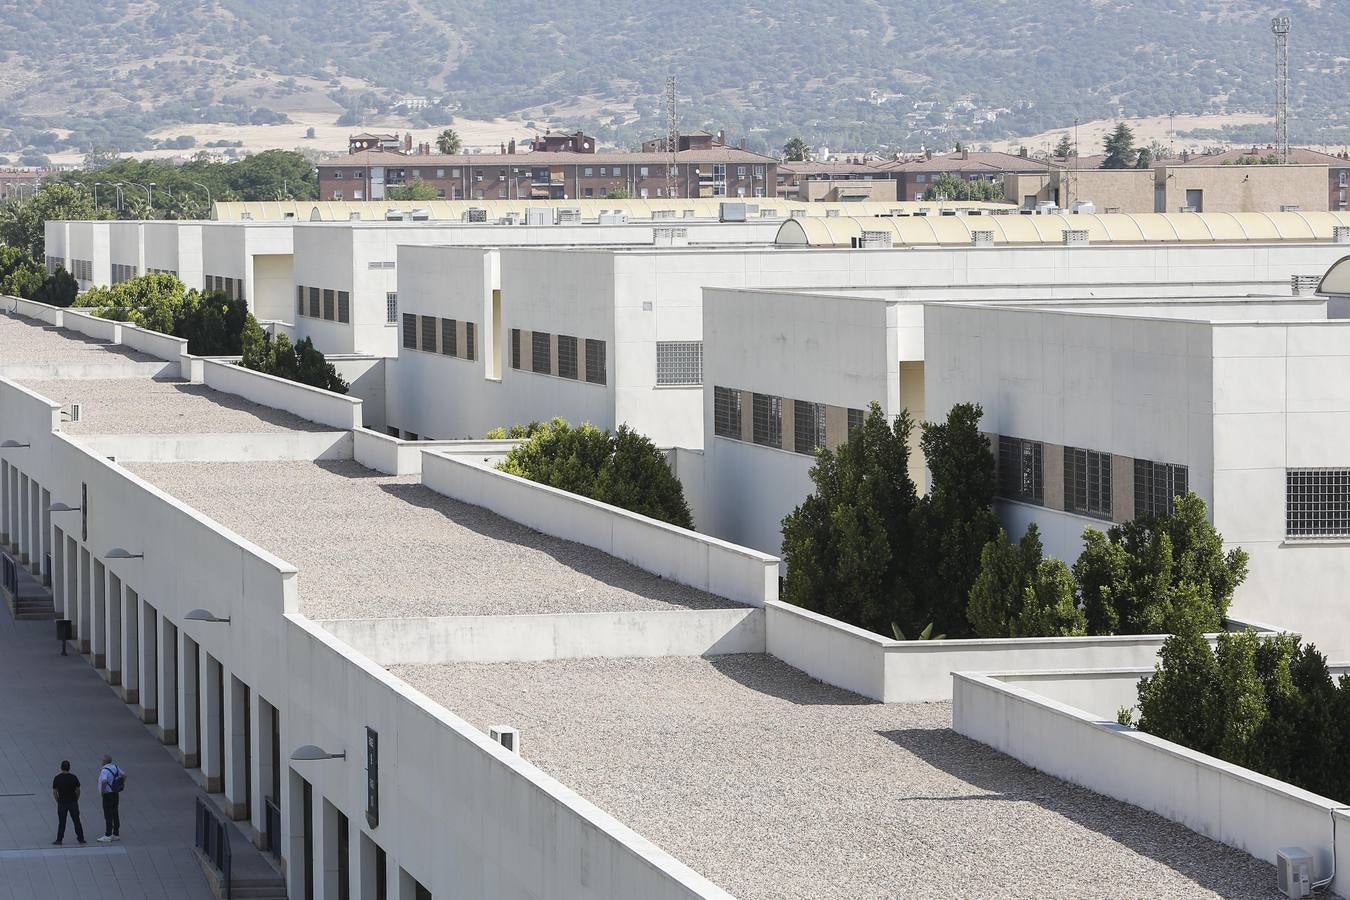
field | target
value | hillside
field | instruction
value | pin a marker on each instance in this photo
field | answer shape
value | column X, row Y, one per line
column 80, row 73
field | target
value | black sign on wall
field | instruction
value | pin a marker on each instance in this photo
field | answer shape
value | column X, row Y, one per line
column 372, row 777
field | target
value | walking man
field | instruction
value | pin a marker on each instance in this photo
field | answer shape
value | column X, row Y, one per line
column 111, row 781
column 66, row 793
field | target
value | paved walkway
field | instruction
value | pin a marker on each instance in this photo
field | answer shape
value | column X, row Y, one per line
column 53, row 708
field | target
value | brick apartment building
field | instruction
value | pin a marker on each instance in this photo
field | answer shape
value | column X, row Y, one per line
column 19, row 182
column 915, row 177
column 561, row 167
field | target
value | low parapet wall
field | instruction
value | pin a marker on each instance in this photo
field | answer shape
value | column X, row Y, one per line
column 1222, row 801
column 264, row 447
column 324, row 407
column 687, row 557
column 394, row 456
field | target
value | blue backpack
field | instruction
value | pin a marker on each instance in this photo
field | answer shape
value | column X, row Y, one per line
column 118, row 780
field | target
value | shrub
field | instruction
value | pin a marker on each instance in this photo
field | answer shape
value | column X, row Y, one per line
column 277, row 356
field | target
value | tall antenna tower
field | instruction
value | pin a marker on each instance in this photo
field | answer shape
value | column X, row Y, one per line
column 672, row 139
column 1279, row 26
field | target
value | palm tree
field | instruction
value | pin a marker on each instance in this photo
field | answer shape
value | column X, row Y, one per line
column 448, row 141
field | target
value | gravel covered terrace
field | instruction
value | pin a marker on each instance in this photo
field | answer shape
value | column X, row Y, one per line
column 369, row 545
column 168, row 406
column 26, row 341
column 775, row 785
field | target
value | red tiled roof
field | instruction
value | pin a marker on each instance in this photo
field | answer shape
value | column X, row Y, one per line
column 1299, row 155
column 971, row 162
column 561, row 158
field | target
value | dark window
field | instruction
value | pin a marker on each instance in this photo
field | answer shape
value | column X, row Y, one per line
column 856, row 417
column 1317, row 503
column 429, row 334
column 595, row 361
column 329, row 309
column 515, row 348
column 300, row 299
column 1087, row 482
column 766, row 420
column 344, row 306
column 1156, row 487
column 314, row 303
column 567, row 356
column 727, row 412
column 1020, row 476
column 541, row 355
column 409, row 331
column 470, row 348
column 449, row 337
column 808, row 426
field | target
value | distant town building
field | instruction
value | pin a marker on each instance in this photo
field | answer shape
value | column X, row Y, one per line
column 368, row 141
column 1338, row 167
column 17, row 182
column 835, row 182
column 914, row 177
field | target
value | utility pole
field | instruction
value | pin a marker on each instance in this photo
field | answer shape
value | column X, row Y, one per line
column 672, row 138
column 1279, row 26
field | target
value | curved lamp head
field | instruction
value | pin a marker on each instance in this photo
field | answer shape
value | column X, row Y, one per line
column 203, row 615
column 13, row 445
column 59, row 507
column 310, row 752
column 120, row 553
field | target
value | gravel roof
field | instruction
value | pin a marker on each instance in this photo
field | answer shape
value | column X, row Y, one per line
column 370, row 545
column 773, row 784
column 152, row 406
column 30, row 342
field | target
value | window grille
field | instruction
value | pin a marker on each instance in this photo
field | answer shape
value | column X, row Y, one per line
column 808, row 426
column 1156, row 487
column 595, row 361
column 391, row 307
column 1020, row 472
column 344, row 306
column 567, row 356
column 314, row 303
column 727, row 412
column 679, row 362
column 856, row 417
column 450, row 337
column 1317, row 503
column 470, row 347
column 409, row 331
column 329, row 304
column 766, row 420
column 300, row 299
column 541, row 356
column 1087, row 482
column 429, row 334
column 515, row 348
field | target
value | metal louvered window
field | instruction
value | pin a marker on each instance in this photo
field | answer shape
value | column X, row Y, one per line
column 1087, row 482
column 808, row 426
column 727, row 412
column 595, row 361
column 1156, row 487
column 1317, row 503
column 679, row 362
column 541, row 355
column 515, row 348
column 1020, row 472
column 449, row 337
column 567, row 356
column 766, row 420
column 300, row 299
column 856, row 417
column 314, row 303
column 409, row 331
column 470, row 344
column 344, row 306
column 329, row 304
column 429, row 334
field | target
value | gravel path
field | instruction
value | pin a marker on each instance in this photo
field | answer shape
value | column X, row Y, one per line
column 370, row 545
column 775, row 785
column 30, row 342
column 151, row 406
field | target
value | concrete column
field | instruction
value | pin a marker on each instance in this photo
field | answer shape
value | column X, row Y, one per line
column 25, row 520
column 147, row 676
column 368, row 873
column 113, row 611
column 326, row 850
column 59, row 573
column 98, row 648
column 166, row 699
column 45, row 518
column 34, row 527
column 296, row 824
column 4, row 501
column 132, row 664
column 189, row 713
column 262, row 741
column 407, row 886
column 237, row 761
column 213, row 723
column 85, row 623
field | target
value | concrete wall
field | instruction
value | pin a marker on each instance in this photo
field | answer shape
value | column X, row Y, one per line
column 323, row 407
column 365, row 377
column 1225, row 802
column 490, row 639
column 724, row 569
column 393, row 456
column 1245, row 188
column 158, row 448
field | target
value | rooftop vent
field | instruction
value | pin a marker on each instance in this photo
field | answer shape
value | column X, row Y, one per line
column 689, row 214
column 1187, row 209
column 1113, row 210
column 569, row 215
column 1084, row 207
column 1075, row 237
column 1294, row 871
column 1290, row 207
column 1340, row 234
column 796, row 214
column 474, row 214
column 924, row 210
column 982, row 238
column 831, row 213
column 507, row 736
column 670, row 236
column 354, row 217
column 538, row 215
column 897, row 212
column 768, row 212
column 246, row 216
column 1303, row 285
column 663, row 214
column 875, row 240
column 393, row 215
column 421, row 215
column 76, row 412
column 289, row 215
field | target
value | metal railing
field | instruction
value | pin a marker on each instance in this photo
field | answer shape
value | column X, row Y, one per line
column 272, row 826
column 213, row 839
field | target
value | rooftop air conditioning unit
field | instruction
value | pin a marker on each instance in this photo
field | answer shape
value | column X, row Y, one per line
column 731, row 212
column 570, row 215
column 875, row 240
column 1186, row 209
column 1290, row 207
column 796, row 214
column 670, row 236
column 354, row 217
column 421, row 215
column 1294, row 871
column 1113, row 210
column 246, row 216
column 751, row 209
column 663, row 214
column 831, row 213
column 76, row 412
column 613, row 218
column 1303, row 285
column 1340, row 234
column 393, row 215
column 538, row 215
column 474, row 214
column 689, row 214
column 897, row 212
column 1084, row 207
column 1075, row 237
column 768, row 212
column 982, row 238
column 507, row 736
column 1045, row 208
column 924, row 210
column 289, row 215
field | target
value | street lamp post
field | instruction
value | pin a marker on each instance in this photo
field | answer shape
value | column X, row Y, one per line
column 208, row 195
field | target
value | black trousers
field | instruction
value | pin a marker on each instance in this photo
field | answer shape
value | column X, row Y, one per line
column 111, row 823
column 68, row 808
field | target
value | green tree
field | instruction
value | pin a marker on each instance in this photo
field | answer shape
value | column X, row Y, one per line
column 999, row 591
column 212, row 323
column 416, row 189
column 947, row 186
column 618, row 194
column 1177, row 702
column 849, row 545
column 1064, row 149
column 1120, row 150
column 795, row 150
column 1145, row 159
column 448, row 142
column 22, row 221
column 1050, row 603
column 312, row 368
column 955, row 519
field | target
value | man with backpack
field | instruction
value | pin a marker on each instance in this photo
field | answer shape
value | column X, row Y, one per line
column 111, row 781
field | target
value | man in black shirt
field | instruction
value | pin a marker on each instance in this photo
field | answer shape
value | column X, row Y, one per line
column 66, row 792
